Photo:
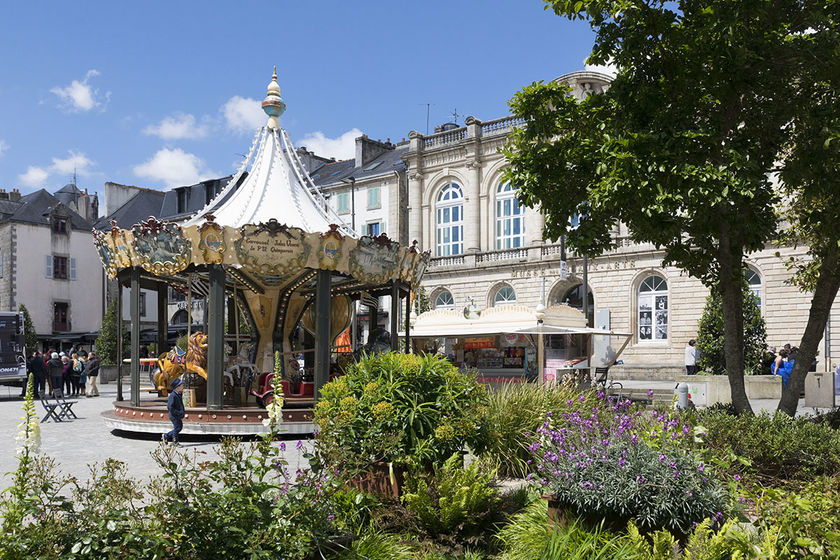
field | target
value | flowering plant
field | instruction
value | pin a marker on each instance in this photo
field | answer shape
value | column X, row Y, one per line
column 399, row 408
column 629, row 466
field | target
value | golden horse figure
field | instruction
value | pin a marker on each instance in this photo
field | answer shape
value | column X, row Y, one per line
column 175, row 362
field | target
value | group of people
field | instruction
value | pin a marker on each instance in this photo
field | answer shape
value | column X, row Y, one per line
column 71, row 375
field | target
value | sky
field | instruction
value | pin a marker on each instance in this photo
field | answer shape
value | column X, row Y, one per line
column 163, row 94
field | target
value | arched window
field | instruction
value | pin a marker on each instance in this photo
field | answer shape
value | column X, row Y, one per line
column 444, row 300
column 504, row 296
column 450, row 221
column 653, row 309
column 573, row 297
column 180, row 317
column 754, row 282
column 510, row 219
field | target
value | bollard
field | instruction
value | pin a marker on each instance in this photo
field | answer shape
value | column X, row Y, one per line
column 682, row 395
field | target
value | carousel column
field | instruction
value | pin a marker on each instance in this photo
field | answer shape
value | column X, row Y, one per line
column 407, row 320
column 215, row 335
column 394, row 315
column 162, row 319
column 322, row 330
column 119, row 340
column 134, row 305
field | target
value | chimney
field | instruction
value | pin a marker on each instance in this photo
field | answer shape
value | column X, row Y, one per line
column 368, row 150
column 4, row 195
column 14, row 196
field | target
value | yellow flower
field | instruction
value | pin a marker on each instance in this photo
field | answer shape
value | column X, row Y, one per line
column 349, row 403
column 382, row 410
column 371, row 387
column 445, row 432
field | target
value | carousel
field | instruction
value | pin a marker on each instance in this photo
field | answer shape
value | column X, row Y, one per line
column 269, row 257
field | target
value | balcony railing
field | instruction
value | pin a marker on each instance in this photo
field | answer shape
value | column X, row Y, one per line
column 61, row 326
column 446, row 137
column 520, row 253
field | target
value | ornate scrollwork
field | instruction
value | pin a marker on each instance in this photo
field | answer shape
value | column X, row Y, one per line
column 160, row 246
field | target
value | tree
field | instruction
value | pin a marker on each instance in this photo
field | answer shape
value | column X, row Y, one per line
column 810, row 174
column 683, row 145
column 710, row 338
column 29, row 334
column 106, row 342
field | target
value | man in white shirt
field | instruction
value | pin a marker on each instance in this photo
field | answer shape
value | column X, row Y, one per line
column 691, row 357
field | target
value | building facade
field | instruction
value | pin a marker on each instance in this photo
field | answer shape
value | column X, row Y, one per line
column 48, row 263
column 489, row 250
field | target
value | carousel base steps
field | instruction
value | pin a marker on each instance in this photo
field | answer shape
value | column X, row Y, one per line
column 115, row 422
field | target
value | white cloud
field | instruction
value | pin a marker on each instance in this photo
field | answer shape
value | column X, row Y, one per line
column 343, row 147
column 243, row 114
column 610, row 69
column 3, row 147
column 34, row 176
column 76, row 163
column 178, row 126
column 80, row 96
column 174, row 168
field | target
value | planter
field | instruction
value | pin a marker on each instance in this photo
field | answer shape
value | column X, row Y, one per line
column 556, row 512
column 107, row 374
column 707, row 390
column 385, row 480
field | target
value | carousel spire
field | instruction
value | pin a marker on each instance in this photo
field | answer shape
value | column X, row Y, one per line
column 273, row 104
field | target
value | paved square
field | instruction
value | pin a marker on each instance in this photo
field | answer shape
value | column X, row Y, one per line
column 78, row 443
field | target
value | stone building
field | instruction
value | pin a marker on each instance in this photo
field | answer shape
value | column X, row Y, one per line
column 49, row 264
column 489, row 250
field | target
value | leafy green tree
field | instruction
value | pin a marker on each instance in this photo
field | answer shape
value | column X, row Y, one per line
column 106, row 342
column 422, row 300
column 29, row 334
column 684, row 144
column 710, row 338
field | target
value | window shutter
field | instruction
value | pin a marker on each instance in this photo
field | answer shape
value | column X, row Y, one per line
column 72, row 269
column 49, row 263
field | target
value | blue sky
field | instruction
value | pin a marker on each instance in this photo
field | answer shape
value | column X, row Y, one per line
column 161, row 94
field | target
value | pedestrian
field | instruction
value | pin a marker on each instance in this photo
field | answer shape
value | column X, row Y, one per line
column 92, row 370
column 55, row 368
column 691, row 357
column 175, row 406
column 70, row 388
column 36, row 366
column 80, row 372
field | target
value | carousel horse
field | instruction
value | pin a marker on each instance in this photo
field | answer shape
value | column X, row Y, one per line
column 240, row 370
column 175, row 362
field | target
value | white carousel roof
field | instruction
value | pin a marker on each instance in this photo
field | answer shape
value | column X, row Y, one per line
column 277, row 186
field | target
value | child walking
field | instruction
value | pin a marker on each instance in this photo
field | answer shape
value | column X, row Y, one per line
column 175, row 406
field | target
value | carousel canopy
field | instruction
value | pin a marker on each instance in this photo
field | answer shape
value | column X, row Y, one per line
column 277, row 186
column 496, row 320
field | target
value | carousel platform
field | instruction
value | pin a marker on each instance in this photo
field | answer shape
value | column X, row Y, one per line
column 151, row 417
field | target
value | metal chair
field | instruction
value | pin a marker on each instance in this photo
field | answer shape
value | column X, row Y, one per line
column 608, row 386
column 51, row 408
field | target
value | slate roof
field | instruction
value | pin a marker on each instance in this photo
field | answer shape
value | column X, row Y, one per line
column 384, row 164
column 139, row 207
column 35, row 208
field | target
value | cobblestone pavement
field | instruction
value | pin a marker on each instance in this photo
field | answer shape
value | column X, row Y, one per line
column 78, row 443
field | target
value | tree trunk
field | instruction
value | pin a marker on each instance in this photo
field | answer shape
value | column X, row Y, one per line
column 731, row 279
column 828, row 282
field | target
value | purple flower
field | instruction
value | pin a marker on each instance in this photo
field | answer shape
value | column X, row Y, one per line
column 650, row 392
column 582, row 398
column 299, row 444
column 737, row 478
column 282, row 446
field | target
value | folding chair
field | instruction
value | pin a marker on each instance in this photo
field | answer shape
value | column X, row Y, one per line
column 602, row 380
column 66, row 407
column 50, row 407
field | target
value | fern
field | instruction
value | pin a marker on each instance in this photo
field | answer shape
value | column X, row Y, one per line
column 457, row 501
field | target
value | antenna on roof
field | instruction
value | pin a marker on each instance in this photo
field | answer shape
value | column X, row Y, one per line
column 74, row 176
column 428, row 105
column 454, row 114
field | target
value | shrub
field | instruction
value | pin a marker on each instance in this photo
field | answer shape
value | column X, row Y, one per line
column 710, row 334
column 776, row 447
column 807, row 522
column 106, row 342
column 528, row 536
column 399, row 408
column 456, row 501
column 514, row 414
column 633, row 468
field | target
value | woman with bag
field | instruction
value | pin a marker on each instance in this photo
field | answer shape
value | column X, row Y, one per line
column 79, row 372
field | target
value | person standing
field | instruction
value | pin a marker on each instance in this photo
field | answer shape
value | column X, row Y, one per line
column 92, row 370
column 70, row 388
column 56, row 370
column 175, row 406
column 691, row 357
column 36, row 366
column 80, row 373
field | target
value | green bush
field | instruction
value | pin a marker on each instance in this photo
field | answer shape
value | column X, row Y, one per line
column 401, row 408
column 455, row 501
column 807, row 521
column 710, row 334
column 106, row 342
column 775, row 447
